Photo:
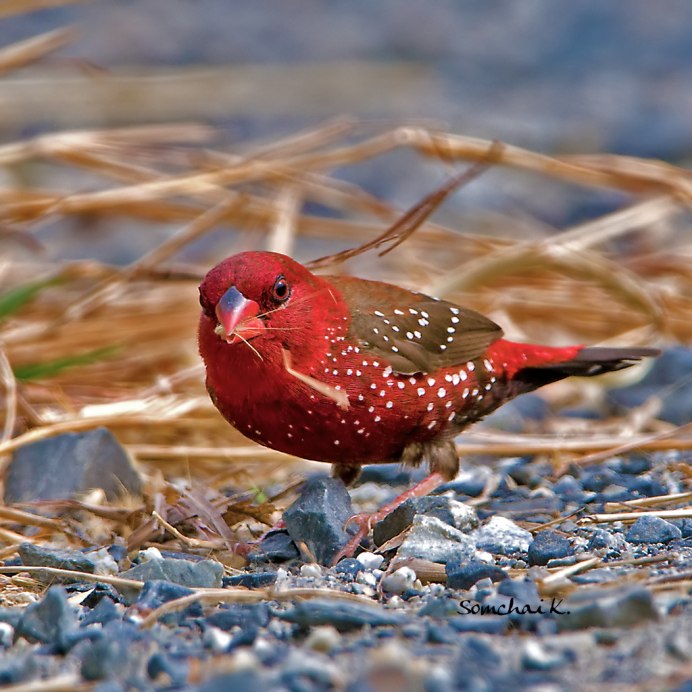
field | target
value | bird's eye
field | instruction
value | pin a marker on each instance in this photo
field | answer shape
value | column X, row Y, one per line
column 281, row 290
column 206, row 304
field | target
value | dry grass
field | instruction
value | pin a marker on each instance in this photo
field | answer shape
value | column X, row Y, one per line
column 84, row 344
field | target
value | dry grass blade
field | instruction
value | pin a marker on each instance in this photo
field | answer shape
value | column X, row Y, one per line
column 628, row 517
column 411, row 220
column 75, row 575
column 32, row 49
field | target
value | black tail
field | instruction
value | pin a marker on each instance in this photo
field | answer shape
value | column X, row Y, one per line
column 589, row 362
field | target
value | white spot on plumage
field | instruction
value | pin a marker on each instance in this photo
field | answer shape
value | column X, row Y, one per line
column 423, row 322
column 382, row 392
column 361, row 397
column 389, row 404
column 377, row 419
column 378, row 313
column 412, row 380
column 336, row 442
column 358, row 373
column 349, row 371
column 455, row 320
column 470, row 366
column 441, row 392
column 424, row 314
column 386, row 321
column 409, row 336
column 448, row 377
column 451, row 330
column 443, row 347
column 400, row 384
column 360, row 431
column 421, row 391
column 395, row 349
column 465, row 393
column 449, row 404
column 432, row 424
column 371, row 409
column 413, row 311
column 417, row 334
column 488, row 365
column 431, row 381
column 430, row 406
column 373, row 386
column 451, row 416
column 376, row 330
column 395, row 328
column 385, row 337
column 450, row 339
column 463, row 375
column 455, row 379
column 454, row 311
column 398, row 312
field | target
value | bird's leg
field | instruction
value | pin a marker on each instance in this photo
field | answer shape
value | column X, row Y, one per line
column 245, row 548
column 365, row 521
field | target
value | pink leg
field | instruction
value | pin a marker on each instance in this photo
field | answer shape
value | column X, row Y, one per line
column 365, row 522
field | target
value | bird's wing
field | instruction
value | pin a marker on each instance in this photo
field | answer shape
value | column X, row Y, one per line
column 412, row 331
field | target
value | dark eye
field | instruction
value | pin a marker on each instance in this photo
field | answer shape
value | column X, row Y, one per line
column 206, row 304
column 281, row 290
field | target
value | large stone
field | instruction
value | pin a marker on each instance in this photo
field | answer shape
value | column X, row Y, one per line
column 318, row 516
column 67, row 465
column 432, row 539
column 450, row 511
column 502, row 537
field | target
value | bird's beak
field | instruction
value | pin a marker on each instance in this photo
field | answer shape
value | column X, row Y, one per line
column 238, row 317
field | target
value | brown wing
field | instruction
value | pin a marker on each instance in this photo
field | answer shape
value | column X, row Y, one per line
column 412, row 331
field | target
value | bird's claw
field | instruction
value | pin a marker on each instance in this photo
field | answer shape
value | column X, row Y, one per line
column 364, row 523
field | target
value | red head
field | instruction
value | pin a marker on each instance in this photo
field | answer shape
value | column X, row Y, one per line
column 264, row 298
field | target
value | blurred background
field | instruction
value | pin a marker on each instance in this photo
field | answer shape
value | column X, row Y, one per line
column 581, row 77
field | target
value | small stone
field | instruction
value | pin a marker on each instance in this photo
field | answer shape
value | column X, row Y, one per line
column 450, row 511
column 240, row 615
column 652, row 529
column 524, row 591
column 115, row 655
column 370, row 560
column 502, row 536
column 341, row 614
column 324, row 639
column 50, row 621
column 349, row 567
column 463, row 574
column 487, row 624
column 399, row 581
column 432, row 539
column 175, row 671
column 617, row 610
column 536, row 656
column 276, row 547
column 43, row 556
column 156, row 592
column 255, row 580
column 310, row 569
column 548, row 545
column 318, row 516
column 240, row 680
column 6, row 634
column 67, row 465
column 217, row 640
column 205, row 573
column 104, row 611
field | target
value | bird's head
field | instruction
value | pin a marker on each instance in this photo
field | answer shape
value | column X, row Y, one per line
column 262, row 295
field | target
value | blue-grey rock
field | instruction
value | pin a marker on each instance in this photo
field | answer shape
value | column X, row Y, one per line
column 502, row 537
column 275, row 546
column 646, row 486
column 239, row 615
column 685, row 526
column 548, row 545
column 652, row 529
column 246, row 679
column 17, row 667
column 110, row 657
column 385, row 474
column 569, row 489
column 464, row 574
column 599, row 479
column 486, row 624
column 174, row 670
column 50, row 621
column 66, row 465
column 43, row 556
column 343, row 615
column 522, row 590
column 255, row 580
column 349, row 568
column 538, row 656
column 156, row 592
column 435, row 540
column 318, row 516
column 624, row 609
column 478, row 665
column 104, row 611
column 450, row 511
column 206, row 573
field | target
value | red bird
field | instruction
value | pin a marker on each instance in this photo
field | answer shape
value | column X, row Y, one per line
column 354, row 372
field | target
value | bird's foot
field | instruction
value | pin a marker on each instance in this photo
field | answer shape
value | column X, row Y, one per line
column 364, row 522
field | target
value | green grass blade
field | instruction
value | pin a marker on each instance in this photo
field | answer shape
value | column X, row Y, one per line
column 16, row 298
column 35, row 371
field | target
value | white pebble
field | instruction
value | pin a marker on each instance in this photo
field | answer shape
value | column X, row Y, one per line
column 323, row 638
column 370, row 560
column 399, row 581
column 310, row 569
